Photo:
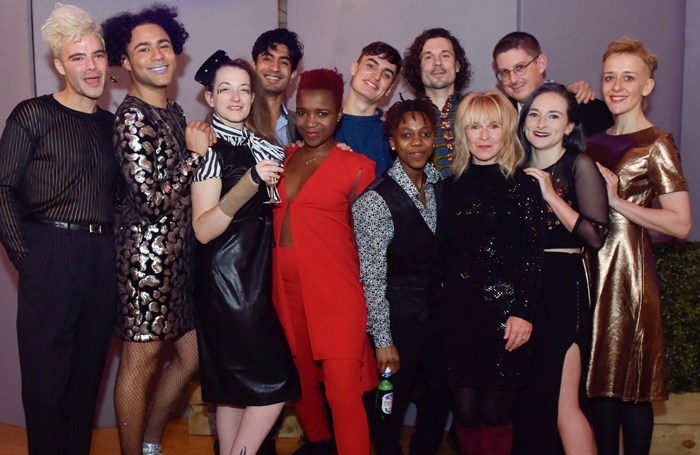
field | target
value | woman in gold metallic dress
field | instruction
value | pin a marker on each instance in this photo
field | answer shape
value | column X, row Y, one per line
column 640, row 163
column 158, row 155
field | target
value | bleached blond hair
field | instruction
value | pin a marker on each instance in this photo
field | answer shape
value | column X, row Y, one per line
column 70, row 22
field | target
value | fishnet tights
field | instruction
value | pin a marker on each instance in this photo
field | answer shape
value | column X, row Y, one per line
column 136, row 369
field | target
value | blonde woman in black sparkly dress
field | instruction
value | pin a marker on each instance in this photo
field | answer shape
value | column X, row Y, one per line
column 158, row 154
column 493, row 221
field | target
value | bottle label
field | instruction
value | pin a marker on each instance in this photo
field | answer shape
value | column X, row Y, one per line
column 387, row 402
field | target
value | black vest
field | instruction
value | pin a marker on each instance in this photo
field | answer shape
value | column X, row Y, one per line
column 413, row 269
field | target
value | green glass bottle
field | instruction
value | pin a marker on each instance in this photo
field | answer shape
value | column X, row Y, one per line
column 385, row 397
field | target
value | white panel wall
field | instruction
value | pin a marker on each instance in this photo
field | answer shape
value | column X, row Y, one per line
column 690, row 138
column 17, row 84
column 212, row 24
column 575, row 34
column 335, row 31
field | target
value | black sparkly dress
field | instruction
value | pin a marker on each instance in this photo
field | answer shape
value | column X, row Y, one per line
column 493, row 230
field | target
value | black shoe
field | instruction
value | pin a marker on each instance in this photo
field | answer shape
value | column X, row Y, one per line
column 326, row 447
column 268, row 447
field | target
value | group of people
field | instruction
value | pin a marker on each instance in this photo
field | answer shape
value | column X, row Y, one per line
column 452, row 241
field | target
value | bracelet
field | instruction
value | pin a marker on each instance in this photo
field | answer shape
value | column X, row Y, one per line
column 255, row 176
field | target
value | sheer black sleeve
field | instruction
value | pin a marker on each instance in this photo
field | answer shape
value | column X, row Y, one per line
column 591, row 228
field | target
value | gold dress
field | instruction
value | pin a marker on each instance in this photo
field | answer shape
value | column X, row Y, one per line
column 627, row 359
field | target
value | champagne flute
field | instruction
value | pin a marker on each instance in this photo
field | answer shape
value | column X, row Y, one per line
column 272, row 183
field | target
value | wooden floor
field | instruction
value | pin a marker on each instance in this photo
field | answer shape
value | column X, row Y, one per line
column 177, row 441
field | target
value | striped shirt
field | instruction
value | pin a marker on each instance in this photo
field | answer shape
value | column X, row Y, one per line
column 55, row 163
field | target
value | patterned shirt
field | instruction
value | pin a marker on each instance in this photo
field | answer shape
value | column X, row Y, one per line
column 374, row 230
column 444, row 134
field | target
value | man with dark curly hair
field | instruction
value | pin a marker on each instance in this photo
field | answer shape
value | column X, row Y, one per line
column 57, row 181
column 436, row 66
column 276, row 56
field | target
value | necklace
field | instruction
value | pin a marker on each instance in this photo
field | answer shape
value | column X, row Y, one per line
column 153, row 109
column 304, row 157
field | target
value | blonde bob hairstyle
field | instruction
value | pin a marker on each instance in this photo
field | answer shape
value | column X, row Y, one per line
column 495, row 107
column 69, row 22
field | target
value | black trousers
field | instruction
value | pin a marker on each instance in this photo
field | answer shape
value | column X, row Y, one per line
column 65, row 316
column 419, row 349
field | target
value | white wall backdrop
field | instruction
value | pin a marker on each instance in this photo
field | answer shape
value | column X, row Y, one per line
column 575, row 34
column 690, row 123
column 335, row 31
column 212, row 24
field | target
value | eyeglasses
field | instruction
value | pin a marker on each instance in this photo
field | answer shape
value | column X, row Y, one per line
column 519, row 70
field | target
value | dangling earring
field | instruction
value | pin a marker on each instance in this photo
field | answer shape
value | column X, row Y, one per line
column 111, row 78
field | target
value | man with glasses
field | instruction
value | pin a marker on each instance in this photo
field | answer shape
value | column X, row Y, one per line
column 520, row 67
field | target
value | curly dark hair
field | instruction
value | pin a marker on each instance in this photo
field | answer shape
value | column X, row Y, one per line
column 323, row 79
column 271, row 38
column 395, row 114
column 117, row 29
column 412, row 60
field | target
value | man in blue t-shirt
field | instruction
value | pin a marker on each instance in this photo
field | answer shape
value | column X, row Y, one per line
column 361, row 127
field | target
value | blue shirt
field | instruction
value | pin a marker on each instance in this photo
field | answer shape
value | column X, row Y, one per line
column 365, row 135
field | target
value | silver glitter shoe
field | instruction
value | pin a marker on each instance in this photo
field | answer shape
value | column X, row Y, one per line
column 152, row 449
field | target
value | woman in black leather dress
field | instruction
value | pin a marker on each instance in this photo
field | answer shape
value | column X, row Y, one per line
column 246, row 367
column 577, row 217
column 493, row 222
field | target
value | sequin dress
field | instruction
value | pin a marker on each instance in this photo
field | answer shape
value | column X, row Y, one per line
column 155, row 242
column 627, row 360
column 494, row 237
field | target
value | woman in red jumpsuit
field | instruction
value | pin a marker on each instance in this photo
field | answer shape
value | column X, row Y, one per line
column 316, row 270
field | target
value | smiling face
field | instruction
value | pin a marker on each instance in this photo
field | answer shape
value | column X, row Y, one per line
column 317, row 116
column 413, row 141
column 521, row 87
column 438, row 66
column 626, row 82
column 151, row 59
column 547, row 122
column 232, row 96
column 275, row 69
column 372, row 77
column 84, row 65
column 485, row 141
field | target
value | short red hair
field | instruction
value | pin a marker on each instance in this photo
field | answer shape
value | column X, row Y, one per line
column 323, row 79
